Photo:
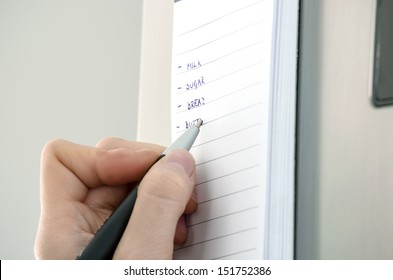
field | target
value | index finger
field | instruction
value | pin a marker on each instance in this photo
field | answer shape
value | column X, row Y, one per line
column 68, row 168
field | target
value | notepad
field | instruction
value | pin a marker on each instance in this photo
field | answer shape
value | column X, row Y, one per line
column 230, row 69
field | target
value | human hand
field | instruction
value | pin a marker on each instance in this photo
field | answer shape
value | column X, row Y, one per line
column 81, row 186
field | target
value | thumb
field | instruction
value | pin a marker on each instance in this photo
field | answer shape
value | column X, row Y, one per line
column 162, row 198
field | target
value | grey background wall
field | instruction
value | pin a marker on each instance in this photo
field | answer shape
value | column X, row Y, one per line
column 68, row 69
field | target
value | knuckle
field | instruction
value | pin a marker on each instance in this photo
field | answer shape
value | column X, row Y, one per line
column 102, row 160
column 51, row 148
column 109, row 165
column 107, row 143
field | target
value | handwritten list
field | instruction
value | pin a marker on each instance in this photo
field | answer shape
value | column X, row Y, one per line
column 221, row 73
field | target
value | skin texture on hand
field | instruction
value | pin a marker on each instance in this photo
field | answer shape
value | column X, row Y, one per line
column 81, row 186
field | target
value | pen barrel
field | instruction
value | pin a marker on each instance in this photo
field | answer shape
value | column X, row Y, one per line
column 185, row 141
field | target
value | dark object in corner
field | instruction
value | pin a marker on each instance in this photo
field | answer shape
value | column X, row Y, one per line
column 383, row 54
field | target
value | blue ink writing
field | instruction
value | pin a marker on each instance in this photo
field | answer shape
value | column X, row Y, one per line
column 193, row 65
column 197, row 102
column 190, row 123
column 195, row 84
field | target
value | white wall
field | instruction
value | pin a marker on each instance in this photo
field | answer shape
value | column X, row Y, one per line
column 154, row 119
column 345, row 155
column 68, row 69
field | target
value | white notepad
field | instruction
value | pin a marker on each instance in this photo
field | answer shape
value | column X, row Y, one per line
column 234, row 66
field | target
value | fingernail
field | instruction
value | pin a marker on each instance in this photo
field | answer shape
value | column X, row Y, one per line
column 182, row 158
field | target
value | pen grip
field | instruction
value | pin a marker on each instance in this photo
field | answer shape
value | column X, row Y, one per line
column 105, row 241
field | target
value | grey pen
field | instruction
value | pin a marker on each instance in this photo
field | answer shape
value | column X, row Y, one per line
column 106, row 239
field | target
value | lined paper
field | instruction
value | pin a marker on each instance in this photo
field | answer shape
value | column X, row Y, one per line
column 221, row 73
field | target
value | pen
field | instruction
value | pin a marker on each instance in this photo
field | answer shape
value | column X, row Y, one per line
column 106, row 239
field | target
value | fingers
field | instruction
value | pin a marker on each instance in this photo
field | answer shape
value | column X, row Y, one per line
column 111, row 143
column 68, row 169
column 71, row 172
column 181, row 231
column 162, row 198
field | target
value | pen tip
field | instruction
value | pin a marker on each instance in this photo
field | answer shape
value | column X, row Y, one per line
column 199, row 123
